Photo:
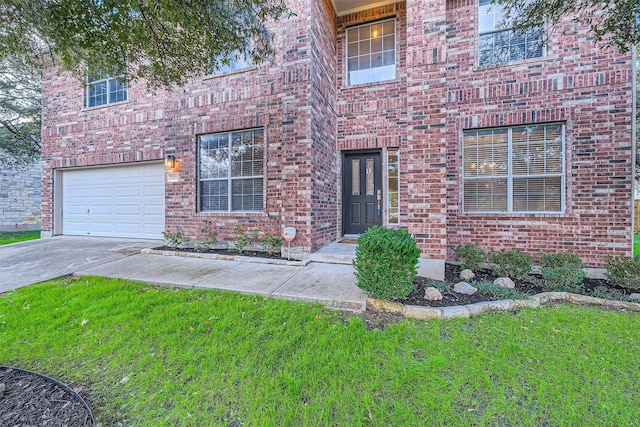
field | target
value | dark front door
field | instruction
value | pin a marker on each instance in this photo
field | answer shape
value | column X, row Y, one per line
column 362, row 178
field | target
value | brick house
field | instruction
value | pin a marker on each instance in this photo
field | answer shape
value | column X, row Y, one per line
column 426, row 115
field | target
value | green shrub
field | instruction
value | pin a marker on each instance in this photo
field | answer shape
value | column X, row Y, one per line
column 385, row 263
column 562, row 271
column 548, row 260
column 566, row 278
column 240, row 237
column 271, row 243
column 471, row 256
column 208, row 238
column 488, row 288
column 610, row 293
column 511, row 263
column 624, row 271
column 173, row 239
column 441, row 286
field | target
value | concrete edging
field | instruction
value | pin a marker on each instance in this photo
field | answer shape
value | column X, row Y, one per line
column 465, row 311
column 218, row 257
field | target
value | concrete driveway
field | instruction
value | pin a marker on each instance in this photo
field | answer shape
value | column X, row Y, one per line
column 35, row 261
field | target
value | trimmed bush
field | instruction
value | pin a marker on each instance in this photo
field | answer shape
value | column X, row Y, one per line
column 624, row 271
column 563, row 271
column 566, row 278
column 512, row 263
column 471, row 256
column 385, row 263
column 548, row 260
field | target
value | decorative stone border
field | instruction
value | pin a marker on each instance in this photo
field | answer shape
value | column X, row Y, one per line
column 464, row 311
column 219, row 257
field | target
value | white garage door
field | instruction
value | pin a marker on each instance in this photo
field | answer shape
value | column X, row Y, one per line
column 119, row 201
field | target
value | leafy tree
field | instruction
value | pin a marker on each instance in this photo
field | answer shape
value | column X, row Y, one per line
column 616, row 22
column 19, row 114
column 163, row 41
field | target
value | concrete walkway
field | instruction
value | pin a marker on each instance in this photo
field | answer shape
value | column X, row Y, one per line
column 29, row 262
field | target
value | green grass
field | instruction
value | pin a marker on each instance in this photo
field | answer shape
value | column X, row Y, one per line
column 636, row 244
column 207, row 358
column 18, row 236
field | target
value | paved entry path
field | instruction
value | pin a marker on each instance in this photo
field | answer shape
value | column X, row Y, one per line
column 34, row 261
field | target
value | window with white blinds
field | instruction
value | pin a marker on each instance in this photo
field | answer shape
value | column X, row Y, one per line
column 517, row 169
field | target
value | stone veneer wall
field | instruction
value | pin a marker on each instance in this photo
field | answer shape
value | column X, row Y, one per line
column 20, row 198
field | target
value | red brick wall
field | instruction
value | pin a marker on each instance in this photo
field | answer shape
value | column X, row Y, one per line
column 373, row 116
column 324, row 156
column 311, row 117
column 275, row 96
column 578, row 83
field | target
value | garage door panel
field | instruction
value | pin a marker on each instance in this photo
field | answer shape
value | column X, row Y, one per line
column 128, row 191
column 120, row 201
column 154, row 210
column 134, row 210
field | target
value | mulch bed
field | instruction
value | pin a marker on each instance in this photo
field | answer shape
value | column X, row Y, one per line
column 30, row 399
column 228, row 252
column 452, row 276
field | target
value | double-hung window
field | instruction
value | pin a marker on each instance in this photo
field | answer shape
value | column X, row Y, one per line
column 371, row 52
column 230, row 171
column 102, row 89
column 499, row 43
column 517, row 169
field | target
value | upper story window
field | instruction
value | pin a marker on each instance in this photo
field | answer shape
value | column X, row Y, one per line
column 517, row 169
column 237, row 62
column 230, row 171
column 103, row 89
column 371, row 52
column 499, row 43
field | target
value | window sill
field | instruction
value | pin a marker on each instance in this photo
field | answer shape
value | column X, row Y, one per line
column 519, row 62
column 98, row 107
column 372, row 84
column 232, row 213
column 228, row 73
column 507, row 215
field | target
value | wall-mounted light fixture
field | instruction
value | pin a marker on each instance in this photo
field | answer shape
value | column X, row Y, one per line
column 170, row 161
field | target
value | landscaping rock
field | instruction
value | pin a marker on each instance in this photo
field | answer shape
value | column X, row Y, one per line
column 454, row 312
column 464, row 288
column 424, row 313
column 504, row 282
column 635, row 296
column 432, row 294
column 467, row 275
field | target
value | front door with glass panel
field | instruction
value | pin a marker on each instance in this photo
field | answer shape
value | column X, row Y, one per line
column 362, row 203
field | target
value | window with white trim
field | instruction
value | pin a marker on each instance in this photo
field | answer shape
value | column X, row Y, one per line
column 102, row 89
column 516, row 169
column 371, row 52
column 499, row 43
column 230, row 171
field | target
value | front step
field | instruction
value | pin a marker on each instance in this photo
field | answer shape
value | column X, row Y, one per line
column 335, row 253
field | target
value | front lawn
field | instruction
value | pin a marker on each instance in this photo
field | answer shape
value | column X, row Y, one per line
column 18, row 236
column 149, row 356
